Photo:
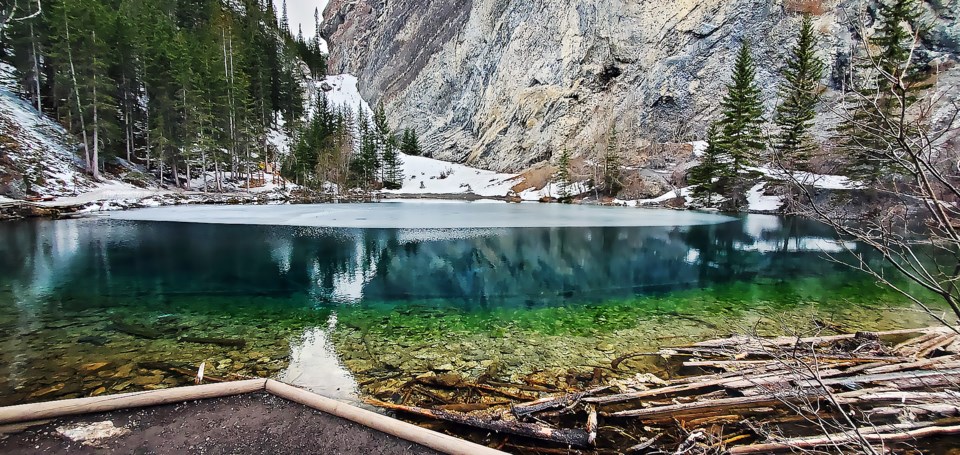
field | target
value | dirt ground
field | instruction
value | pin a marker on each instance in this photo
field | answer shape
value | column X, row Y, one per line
column 253, row 423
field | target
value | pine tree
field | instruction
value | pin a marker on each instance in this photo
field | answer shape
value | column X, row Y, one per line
column 743, row 113
column 285, row 20
column 612, row 171
column 711, row 176
column 392, row 164
column 187, row 81
column 365, row 165
column 409, row 143
column 887, row 85
column 563, row 173
column 24, row 39
column 800, row 92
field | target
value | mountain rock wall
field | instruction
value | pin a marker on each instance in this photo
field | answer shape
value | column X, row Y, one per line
column 504, row 84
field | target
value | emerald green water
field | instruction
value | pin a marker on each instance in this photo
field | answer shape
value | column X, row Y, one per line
column 349, row 312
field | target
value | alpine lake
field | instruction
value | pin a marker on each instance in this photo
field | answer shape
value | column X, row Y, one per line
column 353, row 301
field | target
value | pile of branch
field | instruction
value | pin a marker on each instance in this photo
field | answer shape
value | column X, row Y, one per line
column 749, row 395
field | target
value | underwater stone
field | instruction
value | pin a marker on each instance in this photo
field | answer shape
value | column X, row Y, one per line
column 122, row 386
column 124, row 371
column 146, row 380
column 93, row 367
column 47, row 391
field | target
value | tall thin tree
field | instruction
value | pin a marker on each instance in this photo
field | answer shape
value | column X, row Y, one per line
column 800, row 92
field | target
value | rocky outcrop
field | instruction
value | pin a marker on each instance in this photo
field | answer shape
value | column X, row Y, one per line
column 504, row 84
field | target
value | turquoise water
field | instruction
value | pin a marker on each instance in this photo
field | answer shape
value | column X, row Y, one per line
column 94, row 306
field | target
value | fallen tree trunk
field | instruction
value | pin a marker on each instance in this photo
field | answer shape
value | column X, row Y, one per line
column 724, row 404
column 740, row 341
column 163, row 366
column 573, row 437
column 229, row 342
column 843, row 438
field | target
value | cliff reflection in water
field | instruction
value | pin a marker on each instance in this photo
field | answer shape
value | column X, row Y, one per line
column 113, row 261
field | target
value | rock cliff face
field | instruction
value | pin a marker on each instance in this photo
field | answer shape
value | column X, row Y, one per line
column 503, row 84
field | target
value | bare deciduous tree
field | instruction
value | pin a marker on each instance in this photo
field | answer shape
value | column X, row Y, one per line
column 910, row 215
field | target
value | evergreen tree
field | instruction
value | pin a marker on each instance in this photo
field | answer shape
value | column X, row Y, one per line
column 563, row 173
column 365, row 166
column 887, row 85
column 800, row 92
column 711, row 176
column 392, row 164
column 285, row 20
column 612, row 170
column 743, row 113
column 24, row 38
column 181, row 86
column 409, row 143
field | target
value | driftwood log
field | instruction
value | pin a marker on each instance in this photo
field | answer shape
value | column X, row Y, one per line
column 573, row 437
column 229, row 342
column 747, row 385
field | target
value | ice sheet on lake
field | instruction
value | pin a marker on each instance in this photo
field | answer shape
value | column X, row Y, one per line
column 423, row 215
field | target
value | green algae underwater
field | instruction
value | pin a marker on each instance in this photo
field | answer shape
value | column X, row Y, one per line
column 94, row 306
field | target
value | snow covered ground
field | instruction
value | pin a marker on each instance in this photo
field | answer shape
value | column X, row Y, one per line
column 345, row 92
column 45, row 154
column 757, row 201
column 429, row 176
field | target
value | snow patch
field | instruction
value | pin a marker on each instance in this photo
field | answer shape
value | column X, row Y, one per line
column 699, row 148
column 43, row 151
column 345, row 93
column 758, row 202
column 422, row 175
column 91, row 433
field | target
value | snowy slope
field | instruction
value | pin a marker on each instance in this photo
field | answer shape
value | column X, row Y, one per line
column 429, row 176
column 37, row 155
column 345, row 93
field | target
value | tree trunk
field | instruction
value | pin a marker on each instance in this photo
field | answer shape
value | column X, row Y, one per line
column 36, row 68
column 76, row 92
column 96, row 121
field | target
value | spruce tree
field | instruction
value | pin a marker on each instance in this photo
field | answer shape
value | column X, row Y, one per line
column 741, row 135
column 285, row 20
column 563, row 173
column 711, row 176
column 190, row 81
column 612, row 171
column 887, row 84
column 800, row 93
column 409, row 143
column 392, row 164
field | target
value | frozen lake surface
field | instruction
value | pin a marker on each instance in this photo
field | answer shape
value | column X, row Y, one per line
column 424, row 215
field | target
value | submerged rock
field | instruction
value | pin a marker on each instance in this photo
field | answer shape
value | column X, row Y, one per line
column 94, row 340
column 47, row 391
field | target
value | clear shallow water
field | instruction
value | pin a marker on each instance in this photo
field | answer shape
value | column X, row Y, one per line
column 347, row 310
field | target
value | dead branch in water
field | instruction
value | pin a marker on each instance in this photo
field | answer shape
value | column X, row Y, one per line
column 573, row 437
column 840, row 392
